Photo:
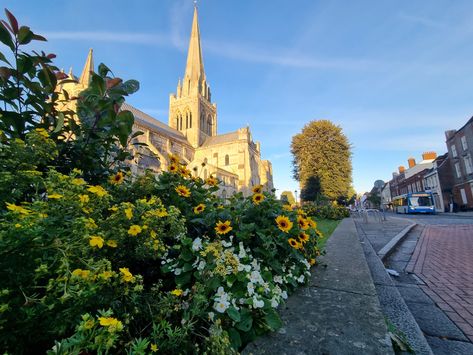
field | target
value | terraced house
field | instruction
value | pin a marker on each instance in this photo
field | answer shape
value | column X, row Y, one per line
column 191, row 132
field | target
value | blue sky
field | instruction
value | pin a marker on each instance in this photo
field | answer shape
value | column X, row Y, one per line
column 393, row 74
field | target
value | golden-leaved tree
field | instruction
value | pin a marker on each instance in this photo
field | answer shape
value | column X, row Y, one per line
column 322, row 151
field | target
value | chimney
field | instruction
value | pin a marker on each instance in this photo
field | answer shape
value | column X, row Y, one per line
column 395, row 175
column 429, row 155
column 412, row 162
column 401, row 169
column 449, row 134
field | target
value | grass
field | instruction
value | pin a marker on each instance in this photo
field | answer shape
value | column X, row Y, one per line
column 326, row 226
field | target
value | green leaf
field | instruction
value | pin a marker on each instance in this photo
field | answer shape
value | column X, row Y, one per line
column 234, row 336
column 272, row 319
column 131, row 86
column 3, row 58
column 25, row 35
column 233, row 314
column 183, row 279
column 60, row 122
column 5, row 37
column 246, row 321
column 187, row 267
column 103, row 70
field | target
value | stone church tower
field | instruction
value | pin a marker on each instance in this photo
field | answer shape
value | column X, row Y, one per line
column 191, row 110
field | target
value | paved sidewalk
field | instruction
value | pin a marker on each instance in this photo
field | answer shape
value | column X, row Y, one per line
column 443, row 259
column 338, row 313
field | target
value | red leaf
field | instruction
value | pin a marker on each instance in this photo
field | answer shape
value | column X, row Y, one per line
column 113, row 82
column 5, row 73
column 60, row 75
column 51, row 56
column 13, row 21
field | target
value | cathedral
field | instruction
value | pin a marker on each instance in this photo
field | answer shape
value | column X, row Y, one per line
column 191, row 133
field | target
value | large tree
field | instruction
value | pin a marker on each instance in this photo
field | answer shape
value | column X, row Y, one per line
column 322, row 150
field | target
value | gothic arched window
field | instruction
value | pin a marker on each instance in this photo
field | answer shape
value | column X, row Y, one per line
column 190, row 119
column 227, row 160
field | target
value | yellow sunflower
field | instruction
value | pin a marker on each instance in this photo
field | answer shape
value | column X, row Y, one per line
column 287, row 208
column 303, row 223
column 223, row 227
column 257, row 189
column 304, row 237
column 174, row 159
column 312, row 223
column 257, row 198
column 294, row 243
column 183, row 191
column 211, row 181
column 199, row 208
column 284, row 223
column 117, row 179
column 173, row 168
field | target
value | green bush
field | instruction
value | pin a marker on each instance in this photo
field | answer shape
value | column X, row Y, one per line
column 328, row 211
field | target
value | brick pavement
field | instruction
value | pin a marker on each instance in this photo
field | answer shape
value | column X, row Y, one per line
column 443, row 259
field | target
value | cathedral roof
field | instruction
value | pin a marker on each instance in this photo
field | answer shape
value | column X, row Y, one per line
column 153, row 124
column 221, row 138
column 195, row 65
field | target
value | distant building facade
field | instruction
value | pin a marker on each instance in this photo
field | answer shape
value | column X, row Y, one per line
column 439, row 181
column 460, row 150
column 234, row 158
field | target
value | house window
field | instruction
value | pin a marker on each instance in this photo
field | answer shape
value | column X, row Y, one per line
column 454, row 151
column 457, row 170
column 227, row 160
column 463, row 193
column 468, row 164
column 464, row 145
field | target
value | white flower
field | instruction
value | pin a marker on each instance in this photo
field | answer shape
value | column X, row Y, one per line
column 211, row 316
column 201, row 265
column 247, row 268
column 274, row 303
column 226, row 244
column 306, row 263
column 255, row 277
column 277, row 279
column 257, row 303
column 255, row 265
column 197, row 244
column 220, row 291
column 241, row 301
column 301, row 279
column 177, row 271
column 251, row 288
column 242, row 252
column 284, row 295
column 220, row 306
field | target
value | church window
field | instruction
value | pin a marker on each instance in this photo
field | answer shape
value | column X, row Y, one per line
column 190, row 119
column 227, row 160
column 177, row 122
column 180, row 123
column 187, row 120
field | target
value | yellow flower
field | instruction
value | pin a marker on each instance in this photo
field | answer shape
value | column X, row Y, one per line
column 127, row 276
column 117, row 179
column 81, row 273
column 257, row 198
column 284, row 223
column 111, row 323
column 199, row 208
column 42, row 132
column 96, row 241
column 18, row 225
column 287, row 208
column 312, row 261
column 77, row 171
column 84, row 198
column 78, row 182
column 113, row 209
column 211, row 181
column 294, row 243
column 134, row 230
column 87, row 210
column 90, row 223
column 173, row 168
column 176, row 292
column 153, row 347
column 300, row 212
column 183, row 191
column 106, row 275
column 98, row 190
column 112, row 243
column 257, row 189
column 19, row 209
column 174, row 159
column 129, row 213
column 311, row 222
column 303, row 223
column 89, row 324
column 223, row 227
column 55, row 196
column 303, row 237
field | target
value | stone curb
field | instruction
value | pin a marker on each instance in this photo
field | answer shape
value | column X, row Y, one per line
column 393, row 305
column 389, row 248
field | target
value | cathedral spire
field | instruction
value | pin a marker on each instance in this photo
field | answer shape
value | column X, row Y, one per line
column 88, row 67
column 195, row 64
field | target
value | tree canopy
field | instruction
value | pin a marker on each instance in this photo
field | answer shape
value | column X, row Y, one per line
column 288, row 197
column 322, row 150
